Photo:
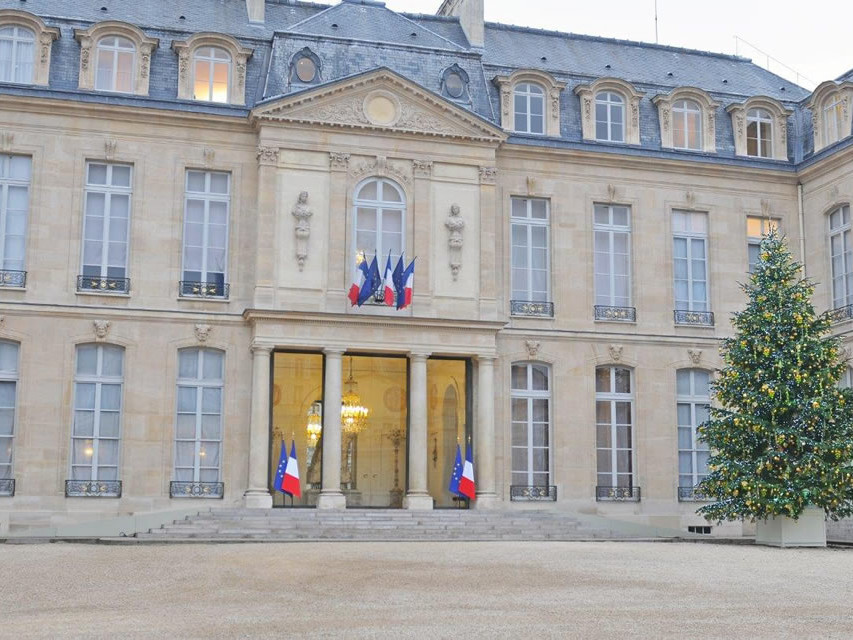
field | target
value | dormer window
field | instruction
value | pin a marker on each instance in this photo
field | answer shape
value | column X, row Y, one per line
column 306, row 70
column 759, row 133
column 760, row 126
column 610, row 111
column 212, row 74
column 17, row 52
column 115, row 56
column 687, row 125
column 530, row 102
column 833, row 119
column 454, row 84
column 115, row 63
column 688, row 119
column 529, row 108
column 609, row 117
column 305, row 67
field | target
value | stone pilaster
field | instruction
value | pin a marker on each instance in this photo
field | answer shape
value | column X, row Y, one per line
column 484, row 445
column 422, row 227
column 417, row 496
column 258, row 496
column 265, row 256
column 330, row 495
column 489, row 239
column 340, row 263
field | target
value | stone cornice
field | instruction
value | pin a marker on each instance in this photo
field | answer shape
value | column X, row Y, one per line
column 352, row 320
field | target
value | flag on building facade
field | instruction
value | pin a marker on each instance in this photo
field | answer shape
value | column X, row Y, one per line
column 397, row 276
column 456, row 476
column 389, row 282
column 290, row 483
column 404, row 294
column 282, row 465
column 466, row 484
column 372, row 280
column 358, row 277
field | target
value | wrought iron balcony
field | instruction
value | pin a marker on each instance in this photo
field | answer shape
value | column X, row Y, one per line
column 7, row 487
column 13, row 279
column 695, row 318
column 617, row 494
column 103, row 285
column 93, row 488
column 692, row 494
column 531, row 308
column 840, row 314
column 523, row 493
column 615, row 314
column 179, row 489
column 191, row 289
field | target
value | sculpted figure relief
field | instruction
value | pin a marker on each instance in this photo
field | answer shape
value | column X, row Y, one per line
column 302, row 214
column 455, row 224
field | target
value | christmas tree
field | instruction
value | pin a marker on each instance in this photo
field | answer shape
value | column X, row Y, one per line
column 780, row 430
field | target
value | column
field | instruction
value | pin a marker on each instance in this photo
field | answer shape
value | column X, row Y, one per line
column 258, row 496
column 484, row 444
column 417, row 496
column 330, row 495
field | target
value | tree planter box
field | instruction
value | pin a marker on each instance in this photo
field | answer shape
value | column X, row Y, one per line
column 808, row 531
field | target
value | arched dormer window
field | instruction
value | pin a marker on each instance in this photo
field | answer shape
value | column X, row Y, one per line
column 832, row 117
column 760, row 128
column 610, row 111
column 530, row 102
column 115, row 56
column 687, row 119
column 305, row 67
column 454, row 84
column 380, row 219
column 212, row 68
column 25, row 47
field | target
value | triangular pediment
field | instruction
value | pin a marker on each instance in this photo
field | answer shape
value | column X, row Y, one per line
column 379, row 100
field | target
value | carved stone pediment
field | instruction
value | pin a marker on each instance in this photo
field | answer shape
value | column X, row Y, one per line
column 379, row 100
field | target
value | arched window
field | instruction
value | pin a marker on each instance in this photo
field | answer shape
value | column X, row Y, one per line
column 380, row 214
column 609, row 117
column 687, row 125
column 17, row 54
column 841, row 257
column 531, row 425
column 614, row 425
column 96, row 433
column 693, row 398
column 211, row 74
column 759, row 133
column 8, row 410
column 116, row 60
column 198, row 429
column 833, row 119
column 529, row 108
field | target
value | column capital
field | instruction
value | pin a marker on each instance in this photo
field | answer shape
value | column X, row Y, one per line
column 260, row 349
column 334, row 351
column 419, row 354
column 486, row 358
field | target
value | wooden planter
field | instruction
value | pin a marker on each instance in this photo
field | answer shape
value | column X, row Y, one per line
column 808, row 531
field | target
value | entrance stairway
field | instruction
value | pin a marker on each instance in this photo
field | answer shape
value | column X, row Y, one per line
column 289, row 525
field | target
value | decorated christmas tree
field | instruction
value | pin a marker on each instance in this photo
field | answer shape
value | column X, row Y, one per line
column 780, row 429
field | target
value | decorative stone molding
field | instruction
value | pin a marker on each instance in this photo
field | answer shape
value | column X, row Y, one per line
column 110, row 146
column 531, row 185
column 488, row 175
column 690, row 199
column 552, row 88
column 209, row 154
column 268, row 155
column 615, row 352
column 239, row 56
column 44, row 37
column 766, row 209
column 611, row 192
column 89, row 38
column 338, row 161
column 101, row 328
column 632, row 97
column 664, row 102
column 381, row 166
column 826, row 93
column 695, row 356
column 7, row 139
column 202, row 332
column 455, row 225
column 532, row 348
column 302, row 213
column 422, row 168
column 833, row 193
column 779, row 128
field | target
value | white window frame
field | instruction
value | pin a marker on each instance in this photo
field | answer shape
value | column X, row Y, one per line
column 845, row 278
column 116, row 49
column 693, row 400
column 523, row 90
column 20, row 36
column 99, row 380
column 753, row 241
column 606, row 99
column 8, row 440
column 610, row 230
column 612, row 397
column 528, row 223
column 378, row 206
column 682, row 110
column 207, row 197
column 690, row 237
column 762, row 119
column 109, row 190
column 6, row 183
column 833, row 119
column 199, row 383
column 530, row 395
column 210, row 64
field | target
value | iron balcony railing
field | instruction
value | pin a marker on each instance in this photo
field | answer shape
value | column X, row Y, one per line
column 13, row 279
column 192, row 289
column 617, row 494
column 7, row 487
column 103, row 285
column 695, row 318
column 531, row 308
column 524, row 493
column 692, row 494
column 840, row 314
column 178, row 489
column 93, row 488
column 615, row 314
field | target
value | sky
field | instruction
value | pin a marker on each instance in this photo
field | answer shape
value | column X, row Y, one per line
column 800, row 34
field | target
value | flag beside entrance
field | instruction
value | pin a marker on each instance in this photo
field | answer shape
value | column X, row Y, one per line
column 456, row 476
column 282, row 465
column 290, row 483
column 466, row 484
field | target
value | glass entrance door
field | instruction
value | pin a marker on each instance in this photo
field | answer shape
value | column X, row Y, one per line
column 448, row 411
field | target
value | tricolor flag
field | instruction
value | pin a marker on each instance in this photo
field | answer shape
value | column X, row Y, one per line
column 290, row 483
column 466, row 484
column 359, row 276
column 404, row 293
column 456, row 476
column 389, row 282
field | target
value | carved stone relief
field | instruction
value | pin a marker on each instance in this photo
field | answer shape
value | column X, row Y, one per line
column 488, row 175
column 455, row 225
column 338, row 161
column 209, row 155
column 302, row 213
column 7, row 138
column 615, row 352
column 695, row 355
column 110, row 145
column 382, row 166
column 532, row 348
column 101, row 328
column 422, row 168
column 202, row 332
column 268, row 155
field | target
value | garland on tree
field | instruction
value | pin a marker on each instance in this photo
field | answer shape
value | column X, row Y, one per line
column 780, row 429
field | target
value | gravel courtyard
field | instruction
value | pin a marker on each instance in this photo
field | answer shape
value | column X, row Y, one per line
column 425, row 590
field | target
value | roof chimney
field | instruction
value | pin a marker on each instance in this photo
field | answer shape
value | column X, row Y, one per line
column 471, row 17
column 256, row 10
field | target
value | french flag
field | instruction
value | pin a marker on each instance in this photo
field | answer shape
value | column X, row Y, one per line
column 389, row 282
column 358, row 277
column 408, row 281
column 290, row 483
column 466, row 484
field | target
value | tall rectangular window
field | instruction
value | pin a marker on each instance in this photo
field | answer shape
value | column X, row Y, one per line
column 692, row 402
column 840, row 257
column 205, row 258
column 690, row 260
column 198, row 431
column 756, row 229
column 14, row 208
column 106, row 227
column 8, row 408
column 614, row 411
column 97, row 412
column 612, row 229
column 531, row 425
column 531, row 280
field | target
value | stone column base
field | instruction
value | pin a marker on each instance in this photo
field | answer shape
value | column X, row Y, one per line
column 257, row 499
column 486, row 501
column 331, row 500
column 418, row 502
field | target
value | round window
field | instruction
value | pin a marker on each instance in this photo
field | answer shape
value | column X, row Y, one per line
column 306, row 70
column 454, row 84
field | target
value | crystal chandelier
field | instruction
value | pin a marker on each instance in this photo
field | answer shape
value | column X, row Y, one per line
column 353, row 414
column 315, row 424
